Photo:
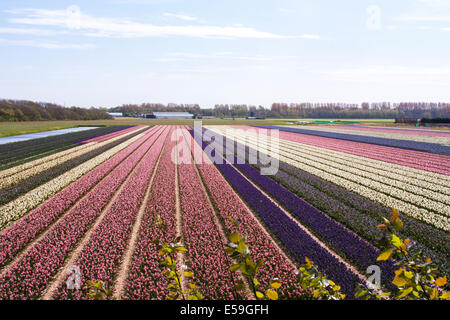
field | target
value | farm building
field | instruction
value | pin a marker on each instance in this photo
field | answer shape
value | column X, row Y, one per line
column 170, row 115
column 116, row 114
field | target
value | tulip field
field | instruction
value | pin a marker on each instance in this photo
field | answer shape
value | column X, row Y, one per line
column 84, row 206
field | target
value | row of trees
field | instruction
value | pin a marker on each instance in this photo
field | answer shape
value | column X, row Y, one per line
column 19, row 110
column 381, row 110
column 219, row 110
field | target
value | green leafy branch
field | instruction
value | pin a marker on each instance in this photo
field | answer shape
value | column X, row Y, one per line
column 170, row 269
column 97, row 290
column 315, row 284
column 239, row 251
column 415, row 278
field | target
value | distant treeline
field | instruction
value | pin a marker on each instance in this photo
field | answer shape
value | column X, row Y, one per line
column 381, row 110
column 19, row 110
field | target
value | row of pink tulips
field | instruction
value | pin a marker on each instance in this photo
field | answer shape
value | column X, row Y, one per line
column 17, row 236
column 409, row 158
column 112, row 134
column 145, row 278
column 30, row 276
column 397, row 131
column 101, row 256
column 206, row 256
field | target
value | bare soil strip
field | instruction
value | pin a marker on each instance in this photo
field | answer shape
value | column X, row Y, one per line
column 59, row 277
column 22, row 253
column 122, row 275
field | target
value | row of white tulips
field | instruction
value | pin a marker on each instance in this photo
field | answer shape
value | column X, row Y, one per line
column 421, row 178
column 413, row 195
column 373, row 190
column 35, row 167
column 14, row 170
column 405, row 175
column 19, row 207
column 438, row 182
column 410, row 137
column 420, row 192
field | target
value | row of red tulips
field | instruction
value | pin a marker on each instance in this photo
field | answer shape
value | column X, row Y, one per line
column 101, row 256
column 145, row 278
column 112, row 134
column 18, row 235
column 30, row 276
column 412, row 132
column 262, row 247
column 206, row 256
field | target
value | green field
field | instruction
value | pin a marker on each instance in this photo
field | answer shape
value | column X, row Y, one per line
column 16, row 128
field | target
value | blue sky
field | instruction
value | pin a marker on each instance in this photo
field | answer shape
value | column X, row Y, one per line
column 110, row 52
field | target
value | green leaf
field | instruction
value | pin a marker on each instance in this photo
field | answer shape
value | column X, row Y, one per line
column 259, row 264
column 241, row 246
column 229, row 250
column 408, row 274
column 255, row 282
column 272, row 294
column 275, row 285
column 181, row 249
column 235, row 267
column 403, row 293
column 398, row 225
column 360, row 293
column 399, row 281
column 445, row 295
column 233, row 221
column 243, row 268
column 396, row 241
column 394, row 215
column 235, row 237
column 385, row 255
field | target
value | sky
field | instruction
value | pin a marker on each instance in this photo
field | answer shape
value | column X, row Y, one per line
column 105, row 53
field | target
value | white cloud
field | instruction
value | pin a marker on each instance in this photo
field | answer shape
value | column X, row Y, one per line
column 123, row 28
column 183, row 56
column 424, row 18
column 181, row 16
column 33, row 32
column 43, row 44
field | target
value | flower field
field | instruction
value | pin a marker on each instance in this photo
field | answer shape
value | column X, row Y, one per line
column 96, row 207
